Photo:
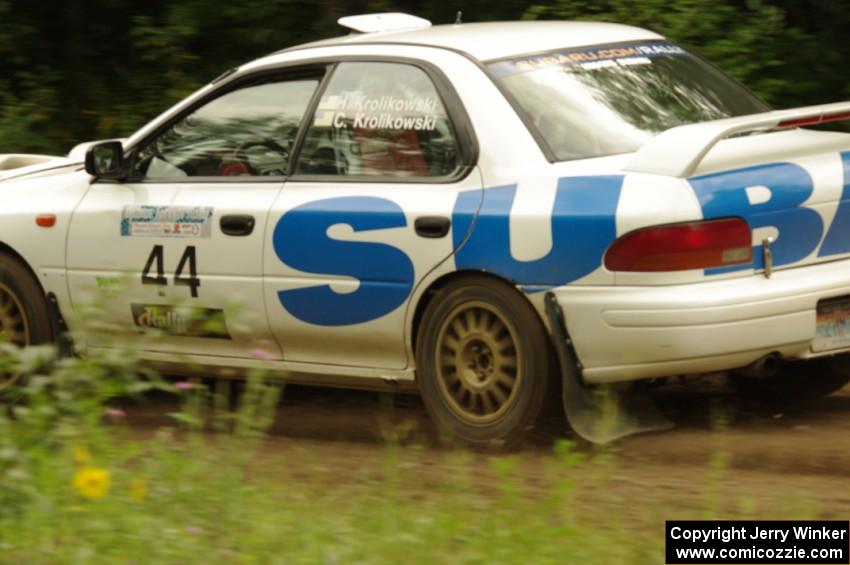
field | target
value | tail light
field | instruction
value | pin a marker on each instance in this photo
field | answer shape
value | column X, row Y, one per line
column 678, row 247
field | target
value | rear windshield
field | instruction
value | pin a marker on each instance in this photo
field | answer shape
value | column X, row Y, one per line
column 612, row 99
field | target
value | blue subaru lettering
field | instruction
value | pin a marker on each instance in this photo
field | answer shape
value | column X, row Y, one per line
column 583, row 226
column 385, row 273
column 800, row 229
column 837, row 239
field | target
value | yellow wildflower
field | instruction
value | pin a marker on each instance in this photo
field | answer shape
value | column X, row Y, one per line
column 81, row 455
column 139, row 488
column 91, row 482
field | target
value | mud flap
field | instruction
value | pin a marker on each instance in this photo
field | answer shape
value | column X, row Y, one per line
column 64, row 346
column 603, row 413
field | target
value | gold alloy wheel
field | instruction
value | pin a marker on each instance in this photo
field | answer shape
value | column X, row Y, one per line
column 13, row 327
column 478, row 363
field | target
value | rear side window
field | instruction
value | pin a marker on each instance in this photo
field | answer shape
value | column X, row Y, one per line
column 612, row 99
column 379, row 120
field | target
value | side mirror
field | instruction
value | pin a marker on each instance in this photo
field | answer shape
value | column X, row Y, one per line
column 106, row 160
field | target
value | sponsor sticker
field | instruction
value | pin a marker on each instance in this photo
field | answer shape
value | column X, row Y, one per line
column 590, row 59
column 166, row 221
column 185, row 321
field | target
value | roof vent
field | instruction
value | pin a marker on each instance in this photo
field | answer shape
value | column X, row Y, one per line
column 386, row 21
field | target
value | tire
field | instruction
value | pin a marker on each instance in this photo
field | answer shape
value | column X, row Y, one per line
column 24, row 317
column 796, row 383
column 483, row 362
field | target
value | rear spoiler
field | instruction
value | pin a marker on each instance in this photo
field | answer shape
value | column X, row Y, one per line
column 678, row 152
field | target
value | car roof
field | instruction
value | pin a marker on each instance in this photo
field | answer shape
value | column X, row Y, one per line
column 497, row 40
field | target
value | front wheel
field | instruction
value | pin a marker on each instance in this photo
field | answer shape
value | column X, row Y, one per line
column 483, row 361
column 24, row 318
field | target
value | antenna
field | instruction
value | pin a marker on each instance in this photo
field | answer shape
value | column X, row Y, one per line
column 459, row 18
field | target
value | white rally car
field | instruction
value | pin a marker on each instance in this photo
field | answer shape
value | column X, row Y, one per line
column 469, row 210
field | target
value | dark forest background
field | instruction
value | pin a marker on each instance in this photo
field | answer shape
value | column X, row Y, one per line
column 77, row 70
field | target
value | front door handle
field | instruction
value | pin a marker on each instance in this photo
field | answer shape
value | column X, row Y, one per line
column 237, row 224
column 432, row 226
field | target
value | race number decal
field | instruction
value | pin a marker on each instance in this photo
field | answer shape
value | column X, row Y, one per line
column 156, row 261
column 192, row 281
column 155, row 258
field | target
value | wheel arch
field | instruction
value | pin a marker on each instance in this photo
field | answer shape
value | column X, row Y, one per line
column 6, row 249
column 430, row 292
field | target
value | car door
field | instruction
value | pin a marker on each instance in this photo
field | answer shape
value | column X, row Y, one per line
column 366, row 214
column 179, row 246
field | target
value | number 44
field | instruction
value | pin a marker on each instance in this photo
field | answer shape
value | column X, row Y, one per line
column 156, row 258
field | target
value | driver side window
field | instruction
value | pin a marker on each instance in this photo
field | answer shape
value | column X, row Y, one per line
column 247, row 132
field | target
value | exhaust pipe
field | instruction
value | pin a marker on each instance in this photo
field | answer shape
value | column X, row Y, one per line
column 765, row 367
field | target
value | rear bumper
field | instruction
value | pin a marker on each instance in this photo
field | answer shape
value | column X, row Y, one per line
column 626, row 333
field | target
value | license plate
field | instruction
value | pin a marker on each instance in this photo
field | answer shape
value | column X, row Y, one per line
column 833, row 325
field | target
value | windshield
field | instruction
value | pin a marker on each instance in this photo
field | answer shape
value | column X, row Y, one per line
column 612, row 99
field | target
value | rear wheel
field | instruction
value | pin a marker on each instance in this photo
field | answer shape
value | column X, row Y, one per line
column 483, row 361
column 796, row 383
column 24, row 318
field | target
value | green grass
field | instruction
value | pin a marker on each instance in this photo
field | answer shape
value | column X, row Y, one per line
column 212, row 488
column 207, row 488
column 216, row 500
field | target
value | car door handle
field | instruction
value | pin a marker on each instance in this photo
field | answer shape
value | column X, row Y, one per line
column 432, row 226
column 237, row 224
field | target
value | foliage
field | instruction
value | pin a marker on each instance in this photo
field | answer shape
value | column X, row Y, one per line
column 80, row 485
column 79, row 70
column 760, row 42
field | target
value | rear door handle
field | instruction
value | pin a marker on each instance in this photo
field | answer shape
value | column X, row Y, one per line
column 237, row 224
column 432, row 226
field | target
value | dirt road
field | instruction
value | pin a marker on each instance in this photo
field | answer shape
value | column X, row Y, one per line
column 723, row 455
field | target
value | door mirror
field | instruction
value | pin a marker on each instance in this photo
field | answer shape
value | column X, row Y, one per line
column 106, row 160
